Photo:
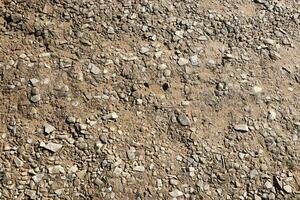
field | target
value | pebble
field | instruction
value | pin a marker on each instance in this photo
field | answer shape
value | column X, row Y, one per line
column 194, row 60
column 241, row 128
column 51, row 146
column 253, row 173
column 268, row 185
column 288, row 189
column 183, row 61
column 34, row 82
column 257, row 90
column 159, row 183
column 272, row 115
column 183, row 120
column 111, row 116
column 139, row 168
column 49, row 128
column 18, row 162
column 35, row 98
column 131, row 153
column 56, row 169
column 144, row 50
column 176, row 193
column 37, row 178
column 94, row 69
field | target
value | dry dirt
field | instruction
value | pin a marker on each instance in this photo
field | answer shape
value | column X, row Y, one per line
column 162, row 99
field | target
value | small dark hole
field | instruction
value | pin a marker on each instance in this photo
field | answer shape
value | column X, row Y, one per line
column 165, row 86
column 146, row 85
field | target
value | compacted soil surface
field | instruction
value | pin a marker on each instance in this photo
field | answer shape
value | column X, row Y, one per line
column 150, row 99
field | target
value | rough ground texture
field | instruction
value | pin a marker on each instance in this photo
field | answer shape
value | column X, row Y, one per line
column 162, row 99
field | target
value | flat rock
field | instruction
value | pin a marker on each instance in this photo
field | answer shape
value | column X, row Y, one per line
column 48, row 128
column 51, row 146
column 139, row 168
column 241, row 128
column 37, row 178
column 176, row 193
column 112, row 115
column 95, row 70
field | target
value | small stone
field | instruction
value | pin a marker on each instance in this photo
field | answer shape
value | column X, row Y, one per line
column 49, row 128
column 117, row 171
column 174, row 181
column 241, row 128
column 288, row 189
column 139, row 168
column 59, row 191
column 167, row 73
column 183, row 61
column 103, row 138
column 34, row 81
column 70, row 120
column 35, row 98
column 37, row 178
column 73, row 169
column 94, row 69
column 51, row 146
column 183, row 120
column 139, row 101
column 98, row 182
column 18, row 162
column 194, row 60
column 159, row 183
column 110, row 30
column 176, row 193
column 144, row 50
column 256, row 197
column 268, row 185
column 131, row 153
column 202, row 38
column 257, row 90
column 109, row 116
column 272, row 115
column 269, row 41
column 56, row 169
column 264, row 167
column 81, row 174
column 253, row 173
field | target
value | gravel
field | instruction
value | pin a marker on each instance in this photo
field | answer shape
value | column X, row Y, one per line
column 149, row 99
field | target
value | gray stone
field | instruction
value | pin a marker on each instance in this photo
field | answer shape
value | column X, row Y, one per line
column 51, row 146
column 35, row 98
column 37, row 178
column 49, row 128
column 176, row 193
column 183, row 120
column 194, row 60
column 95, row 70
column 241, row 128
column 34, row 81
column 110, row 30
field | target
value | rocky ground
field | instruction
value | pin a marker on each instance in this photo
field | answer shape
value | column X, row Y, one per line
column 160, row 99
